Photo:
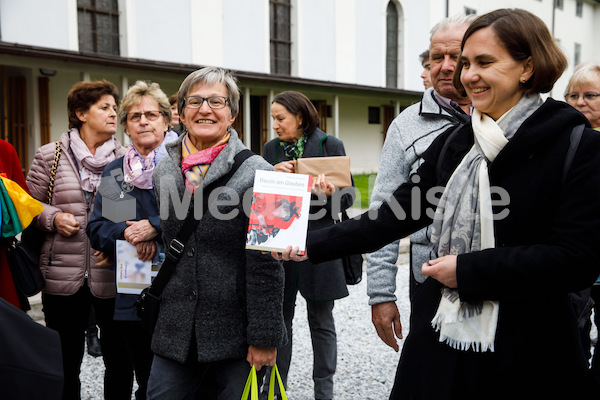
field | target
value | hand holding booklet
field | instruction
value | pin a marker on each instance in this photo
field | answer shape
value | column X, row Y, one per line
column 279, row 211
column 134, row 275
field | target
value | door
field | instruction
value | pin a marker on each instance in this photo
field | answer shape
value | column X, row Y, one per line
column 14, row 114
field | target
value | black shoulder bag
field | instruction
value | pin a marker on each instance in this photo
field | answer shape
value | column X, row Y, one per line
column 148, row 303
column 23, row 255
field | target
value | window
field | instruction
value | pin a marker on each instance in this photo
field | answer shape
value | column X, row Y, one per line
column 391, row 54
column 281, row 41
column 470, row 11
column 577, row 55
column 98, row 26
column 374, row 115
column 559, row 4
column 579, row 8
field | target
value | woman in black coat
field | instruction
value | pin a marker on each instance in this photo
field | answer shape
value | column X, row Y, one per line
column 296, row 121
column 514, row 234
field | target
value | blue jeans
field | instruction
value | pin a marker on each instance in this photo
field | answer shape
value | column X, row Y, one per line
column 172, row 380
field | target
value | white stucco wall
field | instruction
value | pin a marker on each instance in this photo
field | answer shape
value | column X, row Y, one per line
column 162, row 30
column 415, row 40
column 316, row 40
column 35, row 23
column 243, row 35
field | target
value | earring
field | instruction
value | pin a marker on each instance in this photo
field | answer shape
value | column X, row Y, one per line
column 523, row 81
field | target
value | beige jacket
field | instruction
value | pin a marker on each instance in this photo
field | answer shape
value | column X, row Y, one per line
column 66, row 262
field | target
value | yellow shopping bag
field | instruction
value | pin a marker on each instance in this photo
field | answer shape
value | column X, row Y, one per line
column 251, row 387
column 27, row 207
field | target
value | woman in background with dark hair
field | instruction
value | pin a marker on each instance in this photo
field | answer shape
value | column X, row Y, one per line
column 296, row 122
column 73, row 283
column 515, row 232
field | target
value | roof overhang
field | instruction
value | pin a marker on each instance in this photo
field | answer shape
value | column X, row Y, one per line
column 107, row 60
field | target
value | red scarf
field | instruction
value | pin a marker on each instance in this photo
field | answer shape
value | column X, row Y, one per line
column 195, row 162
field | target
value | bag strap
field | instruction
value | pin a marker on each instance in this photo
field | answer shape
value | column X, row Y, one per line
column 575, row 138
column 57, row 152
column 438, row 169
column 177, row 245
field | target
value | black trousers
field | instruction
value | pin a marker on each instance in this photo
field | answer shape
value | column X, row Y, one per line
column 68, row 315
column 137, row 357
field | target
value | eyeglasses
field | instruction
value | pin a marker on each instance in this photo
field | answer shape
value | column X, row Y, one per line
column 587, row 96
column 150, row 116
column 214, row 102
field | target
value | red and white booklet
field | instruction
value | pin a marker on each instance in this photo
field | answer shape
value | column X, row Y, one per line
column 279, row 212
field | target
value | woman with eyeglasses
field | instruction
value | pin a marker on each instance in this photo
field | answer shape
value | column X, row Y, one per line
column 221, row 310
column 583, row 93
column 516, row 227
column 73, row 282
column 144, row 114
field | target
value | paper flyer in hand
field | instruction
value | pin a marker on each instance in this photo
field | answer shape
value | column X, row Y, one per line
column 279, row 211
column 134, row 275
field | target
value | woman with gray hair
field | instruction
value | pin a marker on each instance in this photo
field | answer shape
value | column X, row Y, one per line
column 583, row 93
column 144, row 115
column 221, row 310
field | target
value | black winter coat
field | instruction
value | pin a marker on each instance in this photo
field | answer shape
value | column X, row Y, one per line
column 315, row 282
column 546, row 247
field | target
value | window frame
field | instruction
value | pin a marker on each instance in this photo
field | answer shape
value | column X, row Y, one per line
column 94, row 11
column 277, row 39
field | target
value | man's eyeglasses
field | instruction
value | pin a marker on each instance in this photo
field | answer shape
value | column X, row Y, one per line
column 214, row 102
column 587, row 96
column 150, row 116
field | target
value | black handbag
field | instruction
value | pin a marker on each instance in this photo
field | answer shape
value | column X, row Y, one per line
column 148, row 302
column 24, row 261
column 23, row 255
column 353, row 264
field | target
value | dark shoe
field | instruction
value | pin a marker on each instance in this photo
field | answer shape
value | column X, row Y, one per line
column 93, row 344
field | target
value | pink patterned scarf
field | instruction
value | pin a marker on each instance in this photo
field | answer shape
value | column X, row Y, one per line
column 91, row 165
column 195, row 162
column 138, row 170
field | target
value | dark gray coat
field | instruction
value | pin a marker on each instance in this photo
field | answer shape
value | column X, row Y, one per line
column 221, row 295
column 325, row 281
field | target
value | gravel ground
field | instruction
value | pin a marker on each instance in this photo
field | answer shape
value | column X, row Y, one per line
column 366, row 366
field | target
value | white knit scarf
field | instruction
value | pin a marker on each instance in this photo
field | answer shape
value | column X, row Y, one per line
column 463, row 223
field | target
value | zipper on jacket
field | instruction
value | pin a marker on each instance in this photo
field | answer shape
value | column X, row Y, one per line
column 88, row 208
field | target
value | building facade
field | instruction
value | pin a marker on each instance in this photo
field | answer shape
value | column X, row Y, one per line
column 357, row 60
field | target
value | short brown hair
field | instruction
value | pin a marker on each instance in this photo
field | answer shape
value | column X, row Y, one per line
column 85, row 94
column 524, row 35
column 298, row 104
column 173, row 99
